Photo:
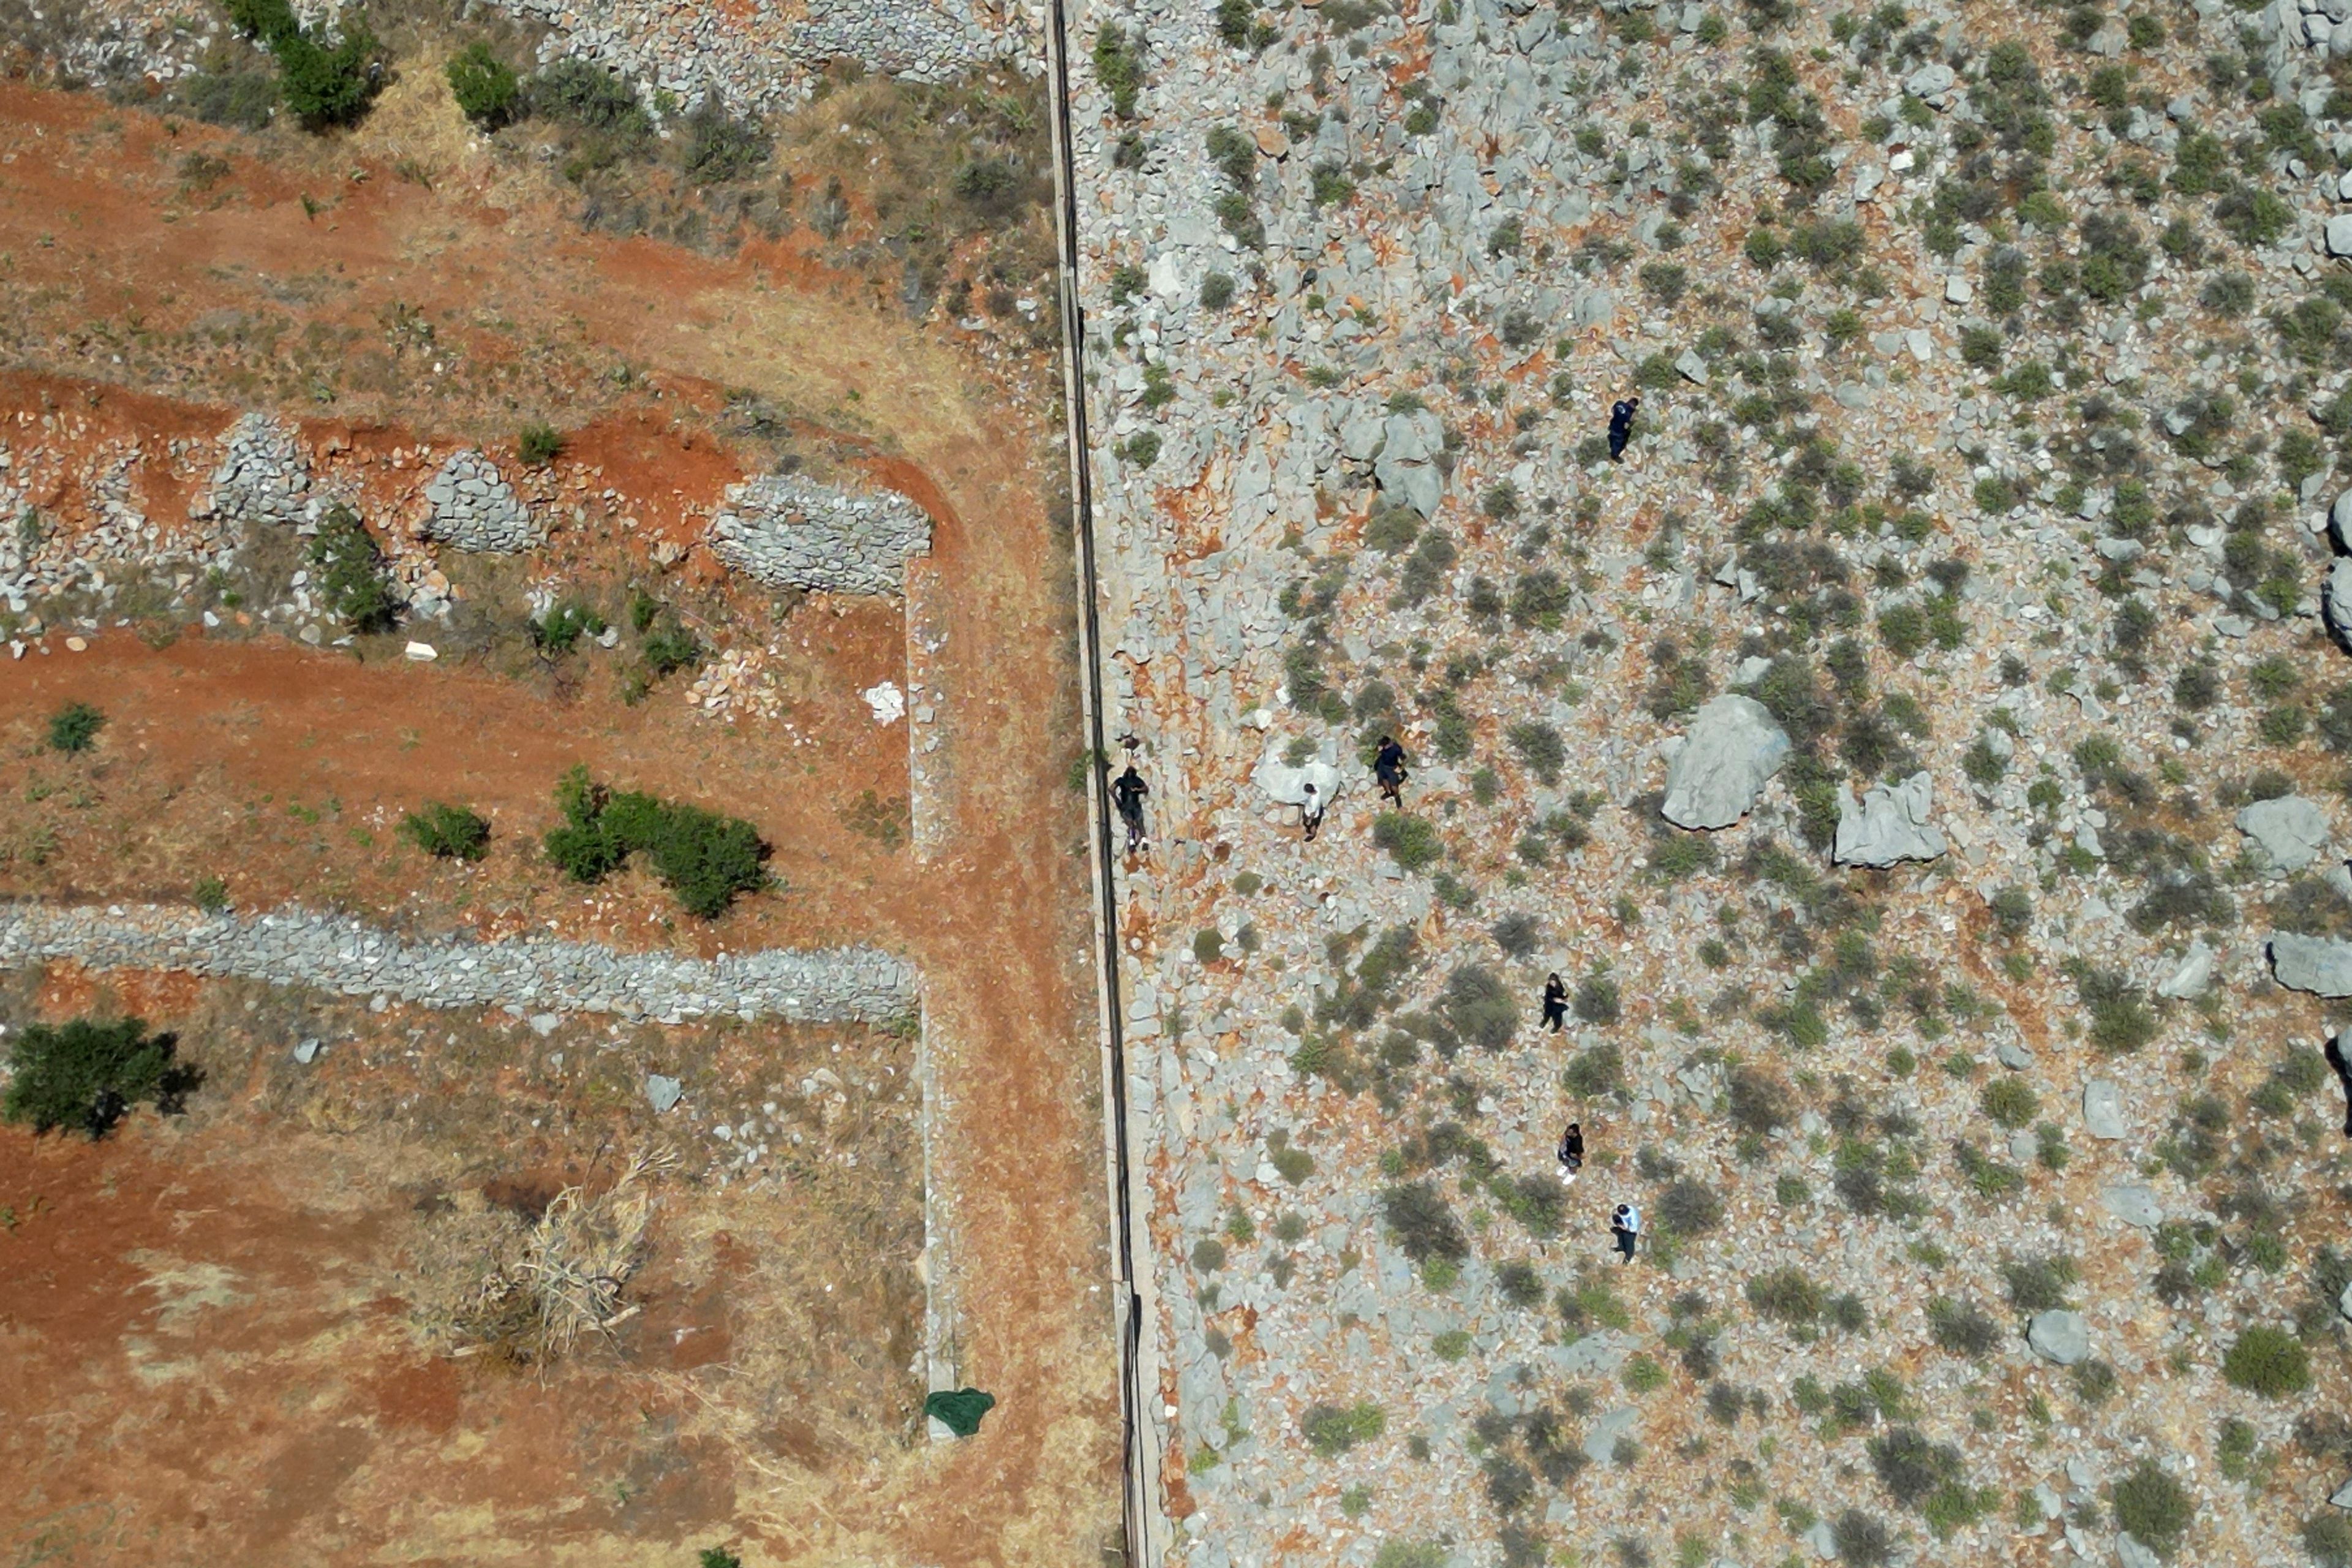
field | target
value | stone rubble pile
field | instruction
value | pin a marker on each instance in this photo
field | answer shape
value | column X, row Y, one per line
column 473, row 507
column 297, row 947
column 263, row 475
column 792, row 532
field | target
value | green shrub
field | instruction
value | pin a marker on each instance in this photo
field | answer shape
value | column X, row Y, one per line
column 1216, row 291
column 558, row 631
column 1690, row 1207
column 1539, row 747
column 2268, row 1361
column 716, row 147
column 1479, row 1006
column 587, row 96
column 1595, row 1071
column 669, row 647
column 87, row 1074
column 1331, row 1430
column 75, row 727
column 2010, row 1101
column 705, row 859
column 1962, row 1327
column 1411, row 841
column 1119, row 70
column 2156, row 1510
column 329, row 87
column 1424, row 1222
column 487, row 91
column 1207, row 945
column 351, row 572
column 1787, row 1296
column 210, row 894
column 447, row 832
column 720, row 1557
column 540, row 444
column 2327, row 1537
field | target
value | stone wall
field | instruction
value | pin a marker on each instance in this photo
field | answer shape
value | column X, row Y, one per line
column 297, row 947
column 789, row 532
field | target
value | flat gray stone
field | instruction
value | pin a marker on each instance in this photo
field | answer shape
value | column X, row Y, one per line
column 2012, row 1056
column 1601, row 1441
column 2344, row 1302
column 2194, row 975
column 2059, row 1336
column 1888, row 825
column 1822, row 1539
column 2339, row 236
column 1732, row 748
column 2134, row 1203
column 2341, row 1497
column 663, row 1094
column 2288, row 832
column 2103, row 1108
column 307, row 1051
column 2321, row 965
column 2130, row 1554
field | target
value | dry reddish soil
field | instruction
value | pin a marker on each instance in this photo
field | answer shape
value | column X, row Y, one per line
column 315, row 1432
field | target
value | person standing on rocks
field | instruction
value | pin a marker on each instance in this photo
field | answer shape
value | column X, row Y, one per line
column 1621, row 427
column 1311, row 813
column 1626, row 1228
column 1554, row 1001
column 1127, row 795
column 1571, row 1153
column 1388, row 767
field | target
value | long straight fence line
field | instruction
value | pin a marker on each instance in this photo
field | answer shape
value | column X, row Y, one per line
column 1136, row 1499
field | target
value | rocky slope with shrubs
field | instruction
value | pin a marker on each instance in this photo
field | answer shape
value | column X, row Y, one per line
column 1914, row 758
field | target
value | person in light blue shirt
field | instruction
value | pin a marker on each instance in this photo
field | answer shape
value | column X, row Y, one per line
column 1626, row 1228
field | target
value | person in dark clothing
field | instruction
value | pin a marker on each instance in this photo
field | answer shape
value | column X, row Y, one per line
column 1625, row 1229
column 1571, row 1153
column 1555, row 1003
column 2335, row 1059
column 1311, row 813
column 1621, row 427
column 1388, row 767
column 1127, row 795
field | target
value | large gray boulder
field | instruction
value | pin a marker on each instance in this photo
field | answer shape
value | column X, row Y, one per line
column 1406, row 466
column 2194, row 975
column 2288, row 832
column 2059, row 1336
column 1733, row 747
column 2134, row 1203
column 2319, row 964
column 2103, row 1108
column 1286, row 785
column 2336, row 596
column 1887, row 826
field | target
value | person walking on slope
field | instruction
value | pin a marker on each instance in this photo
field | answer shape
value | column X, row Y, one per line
column 1626, row 1228
column 1621, row 427
column 1388, row 767
column 1571, row 1153
column 1127, row 795
column 1311, row 813
column 1554, row 1001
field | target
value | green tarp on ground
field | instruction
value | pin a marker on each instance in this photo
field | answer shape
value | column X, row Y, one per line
column 959, row 1409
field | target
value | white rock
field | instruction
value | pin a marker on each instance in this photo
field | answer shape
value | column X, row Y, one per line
column 886, row 701
column 1888, row 825
column 2193, row 977
column 2059, row 1336
column 2340, row 234
column 2103, row 1108
column 2288, row 832
column 421, row 652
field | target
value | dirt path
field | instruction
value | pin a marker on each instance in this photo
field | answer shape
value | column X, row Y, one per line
column 997, row 922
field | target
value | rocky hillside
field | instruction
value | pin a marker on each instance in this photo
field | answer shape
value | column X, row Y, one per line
column 1924, row 759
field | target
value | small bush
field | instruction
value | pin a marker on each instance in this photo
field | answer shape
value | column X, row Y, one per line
column 1597, row 1000
column 75, row 727
column 1424, row 1222
column 1787, row 1296
column 1331, row 1430
column 1216, row 291
column 2156, row 1510
column 558, row 631
column 2038, row 1284
column 1962, row 1327
column 1691, row 1207
column 1539, row 747
column 487, row 91
column 1761, row 1102
column 329, row 87
column 211, row 894
column 717, row 147
column 1518, row 935
column 352, row 576
column 1595, row 1071
column 705, row 859
column 540, row 444
column 1861, row 1540
column 87, row 1074
column 447, row 832
column 1411, row 841
column 2268, row 1361
column 2327, row 1536
column 2010, row 1101
column 1480, row 1007
column 669, row 647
